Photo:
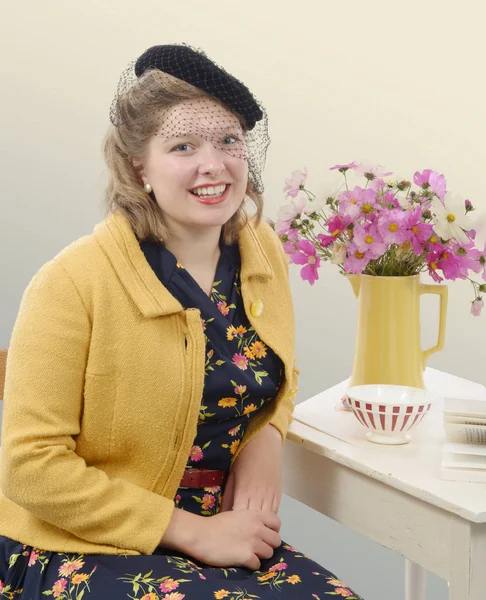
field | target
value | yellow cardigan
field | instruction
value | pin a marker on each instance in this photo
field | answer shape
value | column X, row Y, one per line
column 105, row 376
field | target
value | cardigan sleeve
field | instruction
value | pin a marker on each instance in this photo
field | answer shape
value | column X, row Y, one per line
column 41, row 471
column 283, row 416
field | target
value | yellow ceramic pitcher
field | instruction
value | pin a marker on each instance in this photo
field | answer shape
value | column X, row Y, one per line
column 388, row 337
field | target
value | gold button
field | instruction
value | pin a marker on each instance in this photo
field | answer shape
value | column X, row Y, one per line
column 256, row 308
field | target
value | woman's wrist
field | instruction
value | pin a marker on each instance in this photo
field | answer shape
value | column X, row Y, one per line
column 182, row 532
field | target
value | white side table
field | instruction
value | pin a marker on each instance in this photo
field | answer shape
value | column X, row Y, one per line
column 393, row 494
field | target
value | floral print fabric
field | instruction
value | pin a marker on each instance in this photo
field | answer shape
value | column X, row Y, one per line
column 242, row 374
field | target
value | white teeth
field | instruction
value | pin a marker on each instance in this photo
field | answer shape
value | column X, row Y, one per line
column 210, row 191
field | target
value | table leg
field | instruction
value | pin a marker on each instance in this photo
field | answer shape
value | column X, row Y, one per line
column 468, row 573
column 415, row 578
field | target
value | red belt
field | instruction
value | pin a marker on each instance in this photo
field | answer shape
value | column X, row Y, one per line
column 201, row 478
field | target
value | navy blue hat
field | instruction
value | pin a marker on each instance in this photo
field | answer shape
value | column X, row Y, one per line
column 196, row 68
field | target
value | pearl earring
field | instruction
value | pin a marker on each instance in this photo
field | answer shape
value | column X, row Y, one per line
column 147, row 187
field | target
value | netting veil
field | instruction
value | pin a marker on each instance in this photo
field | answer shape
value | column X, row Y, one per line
column 245, row 137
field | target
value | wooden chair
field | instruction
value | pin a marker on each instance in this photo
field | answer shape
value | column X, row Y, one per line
column 3, row 366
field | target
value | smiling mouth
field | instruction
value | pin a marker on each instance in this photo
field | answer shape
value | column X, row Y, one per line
column 214, row 198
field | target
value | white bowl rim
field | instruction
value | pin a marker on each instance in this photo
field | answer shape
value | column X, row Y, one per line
column 425, row 396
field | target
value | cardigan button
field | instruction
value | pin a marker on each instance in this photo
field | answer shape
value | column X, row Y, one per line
column 256, row 308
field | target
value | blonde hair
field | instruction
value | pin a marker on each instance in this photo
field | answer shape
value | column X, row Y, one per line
column 140, row 110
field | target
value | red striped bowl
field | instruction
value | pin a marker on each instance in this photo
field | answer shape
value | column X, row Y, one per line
column 389, row 411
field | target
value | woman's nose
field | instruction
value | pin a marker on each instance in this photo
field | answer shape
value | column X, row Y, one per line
column 212, row 160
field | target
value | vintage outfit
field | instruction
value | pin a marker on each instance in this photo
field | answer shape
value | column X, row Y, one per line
column 128, row 390
column 121, row 374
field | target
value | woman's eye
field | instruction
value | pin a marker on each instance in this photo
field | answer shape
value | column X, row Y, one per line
column 180, row 146
column 230, row 137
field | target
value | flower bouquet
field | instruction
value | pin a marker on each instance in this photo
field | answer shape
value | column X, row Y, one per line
column 383, row 228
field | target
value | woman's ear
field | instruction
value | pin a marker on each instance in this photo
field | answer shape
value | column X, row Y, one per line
column 138, row 168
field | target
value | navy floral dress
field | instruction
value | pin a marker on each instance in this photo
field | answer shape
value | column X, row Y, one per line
column 241, row 375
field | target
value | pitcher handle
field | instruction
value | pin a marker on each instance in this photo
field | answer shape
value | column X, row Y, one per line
column 442, row 291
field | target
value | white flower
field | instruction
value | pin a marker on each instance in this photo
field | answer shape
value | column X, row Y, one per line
column 292, row 210
column 378, row 171
column 315, row 206
column 338, row 253
column 450, row 219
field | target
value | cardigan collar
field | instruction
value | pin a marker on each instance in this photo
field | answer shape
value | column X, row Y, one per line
column 118, row 241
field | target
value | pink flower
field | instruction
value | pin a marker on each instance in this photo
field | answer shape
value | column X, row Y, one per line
column 348, row 203
column 467, row 255
column 344, row 168
column 368, row 240
column 480, row 258
column 452, row 266
column 343, row 592
column 372, row 171
column 421, row 178
column 435, row 181
column 70, row 566
column 223, row 308
column 33, row 558
column 295, row 183
column 477, row 307
column 208, row 501
column 289, row 246
column 59, row 587
column 195, row 454
column 357, row 202
column 379, row 186
column 419, row 232
column 278, row 567
column 432, row 264
column 292, row 235
column 325, row 240
column 335, row 225
column 356, row 260
column 434, row 245
column 282, row 227
column 438, row 185
column 2, row 585
column 215, row 488
column 393, row 226
column 390, row 201
column 306, row 255
column 169, row 585
column 174, row 596
column 287, row 215
column 240, row 361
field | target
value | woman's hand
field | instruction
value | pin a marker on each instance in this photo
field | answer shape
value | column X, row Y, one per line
column 236, row 538
column 232, row 539
column 255, row 479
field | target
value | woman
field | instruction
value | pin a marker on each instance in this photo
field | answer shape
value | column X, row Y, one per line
column 151, row 374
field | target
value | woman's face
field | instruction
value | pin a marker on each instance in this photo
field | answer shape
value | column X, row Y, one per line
column 199, row 145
